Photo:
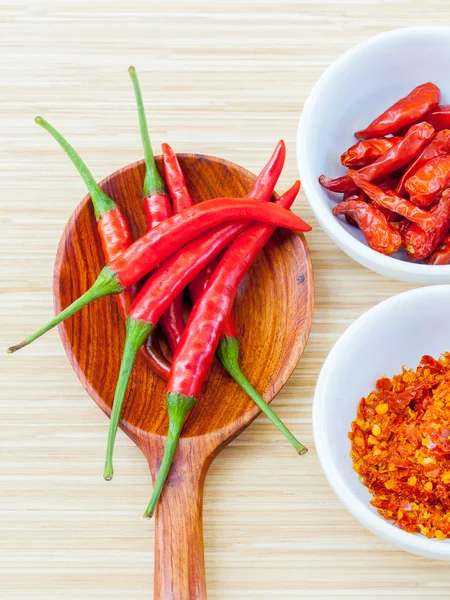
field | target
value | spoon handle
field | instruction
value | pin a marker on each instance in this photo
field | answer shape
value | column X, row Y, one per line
column 179, row 554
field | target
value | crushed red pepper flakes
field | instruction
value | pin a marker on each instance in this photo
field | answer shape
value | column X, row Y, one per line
column 401, row 447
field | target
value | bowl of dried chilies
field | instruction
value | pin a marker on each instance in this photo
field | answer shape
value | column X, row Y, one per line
column 375, row 163
column 381, row 420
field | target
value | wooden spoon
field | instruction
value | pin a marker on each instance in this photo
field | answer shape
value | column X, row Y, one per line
column 273, row 312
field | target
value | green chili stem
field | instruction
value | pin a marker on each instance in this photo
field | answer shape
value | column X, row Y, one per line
column 178, row 407
column 137, row 333
column 228, row 354
column 101, row 202
column 153, row 183
column 107, row 283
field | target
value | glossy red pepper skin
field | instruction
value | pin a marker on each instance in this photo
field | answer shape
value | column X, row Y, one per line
column 262, row 189
column 440, row 144
column 429, row 181
column 439, row 118
column 404, row 113
column 199, row 341
column 395, row 158
column 176, row 182
column 200, row 338
column 420, row 244
column 115, row 236
column 159, row 243
column 380, row 235
column 157, row 208
column 173, row 275
column 441, row 256
column 365, row 152
column 392, row 202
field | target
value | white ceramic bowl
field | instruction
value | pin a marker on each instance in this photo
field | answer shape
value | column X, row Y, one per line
column 396, row 332
column 350, row 94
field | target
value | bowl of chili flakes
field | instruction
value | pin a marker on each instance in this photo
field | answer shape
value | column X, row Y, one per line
column 383, row 383
column 357, row 87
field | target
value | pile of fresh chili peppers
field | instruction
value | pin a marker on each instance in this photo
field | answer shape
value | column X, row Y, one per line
column 401, row 447
column 206, row 248
column 398, row 175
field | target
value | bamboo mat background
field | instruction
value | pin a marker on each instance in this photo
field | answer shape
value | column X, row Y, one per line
column 222, row 78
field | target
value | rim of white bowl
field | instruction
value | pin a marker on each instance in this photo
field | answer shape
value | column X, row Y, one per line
column 357, row 250
column 415, row 543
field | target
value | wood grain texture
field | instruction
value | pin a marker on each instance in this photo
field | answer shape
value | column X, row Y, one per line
column 273, row 314
column 226, row 79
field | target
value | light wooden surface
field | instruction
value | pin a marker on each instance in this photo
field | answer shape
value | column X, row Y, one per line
column 222, row 78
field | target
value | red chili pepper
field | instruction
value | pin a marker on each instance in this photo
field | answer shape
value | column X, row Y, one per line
column 262, row 189
column 159, row 243
column 157, row 209
column 405, row 112
column 176, row 182
column 439, row 145
column 228, row 350
column 393, row 202
column 115, row 236
column 441, row 256
column 153, row 300
column 392, row 160
column 380, row 235
column 420, row 244
column 428, row 181
column 439, row 118
column 200, row 338
column 367, row 151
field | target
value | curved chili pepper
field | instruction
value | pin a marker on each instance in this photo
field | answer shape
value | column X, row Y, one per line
column 439, row 145
column 153, row 300
column 380, row 235
column 201, row 336
column 366, row 152
column 156, row 200
column 157, row 208
column 262, row 189
column 228, row 350
column 429, row 180
column 395, row 158
column 159, row 243
column 439, row 118
column 176, row 182
column 405, row 112
column 441, row 256
column 115, row 236
column 420, row 244
column 393, row 202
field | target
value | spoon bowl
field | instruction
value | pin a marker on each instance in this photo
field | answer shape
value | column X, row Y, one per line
column 273, row 312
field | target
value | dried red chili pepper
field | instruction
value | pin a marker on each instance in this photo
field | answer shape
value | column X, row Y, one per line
column 405, row 112
column 115, row 236
column 157, row 208
column 380, row 235
column 392, row 202
column 429, row 181
column 366, row 152
column 420, row 244
column 200, row 338
column 159, row 243
column 441, row 256
column 439, row 118
column 392, row 160
column 440, row 144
